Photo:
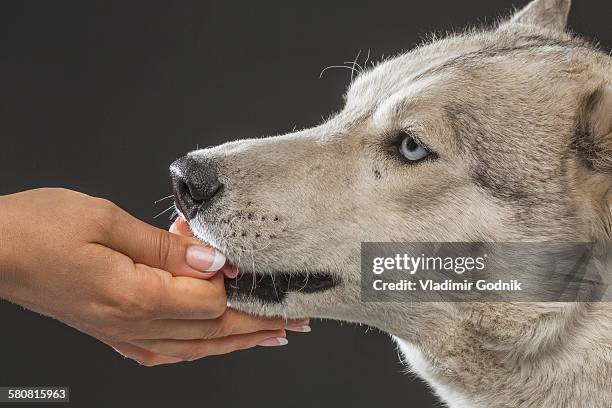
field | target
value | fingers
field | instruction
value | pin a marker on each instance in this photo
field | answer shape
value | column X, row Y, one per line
column 195, row 349
column 232, row 322
column 179, row 297
column 143, row 356
column 166, row 304
column 143, row 243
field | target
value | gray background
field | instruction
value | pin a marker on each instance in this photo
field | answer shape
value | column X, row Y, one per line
column 102, row 96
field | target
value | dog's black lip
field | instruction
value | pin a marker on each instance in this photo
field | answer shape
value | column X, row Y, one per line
column 273, row 287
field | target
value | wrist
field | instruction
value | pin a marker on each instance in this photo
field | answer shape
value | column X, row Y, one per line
column 7, row 251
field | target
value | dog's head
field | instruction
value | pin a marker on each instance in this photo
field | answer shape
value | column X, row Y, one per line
column 501, row 134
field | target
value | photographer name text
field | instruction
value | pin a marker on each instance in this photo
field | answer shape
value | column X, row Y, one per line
column 447, row 285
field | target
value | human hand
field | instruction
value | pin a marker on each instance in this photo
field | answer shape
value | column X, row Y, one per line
column 135, row 287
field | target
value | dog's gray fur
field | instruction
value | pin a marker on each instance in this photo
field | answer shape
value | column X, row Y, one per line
column 521, row 118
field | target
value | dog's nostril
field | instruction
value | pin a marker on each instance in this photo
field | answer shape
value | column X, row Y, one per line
column 182, row 189
column 195, row 183
column 203, row 190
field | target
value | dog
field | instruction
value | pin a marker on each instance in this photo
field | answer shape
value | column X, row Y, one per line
column 497, row 134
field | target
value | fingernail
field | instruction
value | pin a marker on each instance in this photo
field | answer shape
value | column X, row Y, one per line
column 274, row 341
column 301, row 329
column 205, row 259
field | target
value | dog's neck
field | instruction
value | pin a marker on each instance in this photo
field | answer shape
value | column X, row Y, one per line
column 423, row 367
column 559, row 358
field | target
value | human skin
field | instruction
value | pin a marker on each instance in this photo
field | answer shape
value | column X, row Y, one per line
column 144, row 291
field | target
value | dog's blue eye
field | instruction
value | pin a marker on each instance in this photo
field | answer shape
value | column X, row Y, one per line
column 411, row 149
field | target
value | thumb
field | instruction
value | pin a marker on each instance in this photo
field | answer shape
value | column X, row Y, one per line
column 157, row 248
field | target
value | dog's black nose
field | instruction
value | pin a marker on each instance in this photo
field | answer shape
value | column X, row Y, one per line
column 195, row 183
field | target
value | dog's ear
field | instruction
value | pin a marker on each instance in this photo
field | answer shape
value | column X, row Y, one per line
column 551, row 14
column 594, row 134
column 593, row 148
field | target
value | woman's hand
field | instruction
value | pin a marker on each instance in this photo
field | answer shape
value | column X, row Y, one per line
column 150, row 294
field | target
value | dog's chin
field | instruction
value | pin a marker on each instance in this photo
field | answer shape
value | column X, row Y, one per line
column 268, row 288
column 272, row 288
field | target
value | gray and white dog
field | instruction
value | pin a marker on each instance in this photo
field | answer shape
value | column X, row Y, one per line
column 502, row 134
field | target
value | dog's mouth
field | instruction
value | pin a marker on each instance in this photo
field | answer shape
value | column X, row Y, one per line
column 273, row 287
column 269, row 287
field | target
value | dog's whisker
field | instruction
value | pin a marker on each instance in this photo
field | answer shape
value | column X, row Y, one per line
column 336, row 66
column 274, row 286
column 365, row 63
column 165, row 211
column 163, row 198
column 357, row 65
column 253, row 263
column 305, row 283
column 355, row 62
column 253, row 278
column 359, row 68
